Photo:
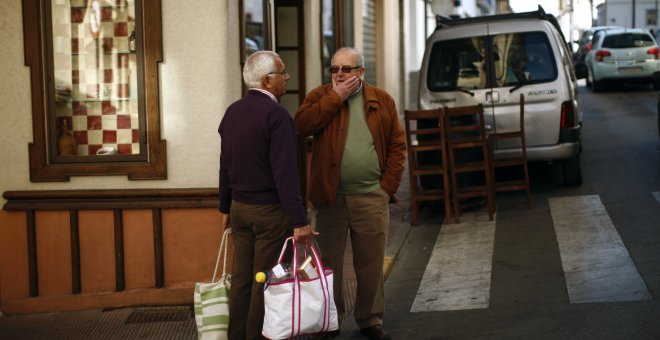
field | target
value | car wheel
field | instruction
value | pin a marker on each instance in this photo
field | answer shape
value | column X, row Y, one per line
column 656, row 85
column 598, row 86
column 572, row 171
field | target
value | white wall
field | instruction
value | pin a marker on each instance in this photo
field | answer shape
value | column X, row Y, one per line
column 199, row 77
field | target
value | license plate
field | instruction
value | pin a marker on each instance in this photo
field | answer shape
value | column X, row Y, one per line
column 630, row 69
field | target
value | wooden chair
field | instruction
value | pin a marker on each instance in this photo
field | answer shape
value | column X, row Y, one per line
column 469, row 157
column 429, row 134
column 515, row 161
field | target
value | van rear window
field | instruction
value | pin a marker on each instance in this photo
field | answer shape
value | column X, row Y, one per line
column 457, row 64
column 515, row 59
column 523, row 58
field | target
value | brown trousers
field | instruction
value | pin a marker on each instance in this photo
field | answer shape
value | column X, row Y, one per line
column 258, row 232
column 366, row 217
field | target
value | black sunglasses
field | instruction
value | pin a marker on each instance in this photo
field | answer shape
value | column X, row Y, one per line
column 345, row 68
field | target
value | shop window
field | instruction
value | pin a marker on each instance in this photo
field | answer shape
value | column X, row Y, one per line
column 95, row 98
column 254, row 27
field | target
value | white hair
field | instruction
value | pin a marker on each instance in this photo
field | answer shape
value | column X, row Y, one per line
column 258, row 65
column 360, row 58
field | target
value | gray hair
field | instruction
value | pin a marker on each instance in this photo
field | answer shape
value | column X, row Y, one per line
column 360, row 58
column 257, row 66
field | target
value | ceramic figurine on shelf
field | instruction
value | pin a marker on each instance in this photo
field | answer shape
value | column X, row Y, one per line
column 66, row 144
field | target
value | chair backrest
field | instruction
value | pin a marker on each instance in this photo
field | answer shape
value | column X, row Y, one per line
column 464, row 121
column 429, row 124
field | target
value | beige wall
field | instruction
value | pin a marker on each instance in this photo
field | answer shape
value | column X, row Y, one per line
column 199, row 78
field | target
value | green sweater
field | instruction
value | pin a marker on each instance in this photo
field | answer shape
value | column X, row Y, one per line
column 360, row 171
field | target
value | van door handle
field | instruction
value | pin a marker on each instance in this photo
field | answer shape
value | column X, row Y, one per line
column 492, row 97
column 488, row 127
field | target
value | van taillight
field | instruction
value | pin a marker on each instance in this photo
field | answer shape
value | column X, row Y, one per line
column 600, row 54
column 655, row 51
column 567, row 115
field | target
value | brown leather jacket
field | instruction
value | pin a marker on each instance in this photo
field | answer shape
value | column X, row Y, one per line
column 323, row 116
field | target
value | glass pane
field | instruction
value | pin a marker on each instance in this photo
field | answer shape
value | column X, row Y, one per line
column 290, row 59
column 523, row 58
column 254, row 26
column 628, row 40
column 291, row 101
column 287, row 35
column 95, row 77
column 327, row 45
column 457, row 64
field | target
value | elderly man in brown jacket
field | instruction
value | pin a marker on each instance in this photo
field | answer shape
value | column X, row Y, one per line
column 357, row 163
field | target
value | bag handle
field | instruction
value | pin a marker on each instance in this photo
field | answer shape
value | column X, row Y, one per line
column 222, row 252
column 323, row 280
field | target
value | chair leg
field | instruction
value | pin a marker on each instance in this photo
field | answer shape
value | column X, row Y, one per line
column 414, row 209
column 527, row 188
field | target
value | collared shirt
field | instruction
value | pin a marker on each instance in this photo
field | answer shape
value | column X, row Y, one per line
column 265, row 92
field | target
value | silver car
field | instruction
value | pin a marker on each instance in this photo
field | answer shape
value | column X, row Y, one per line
column 623, row 55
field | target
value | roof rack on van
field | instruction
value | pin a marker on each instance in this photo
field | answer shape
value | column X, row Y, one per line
column 443, row 22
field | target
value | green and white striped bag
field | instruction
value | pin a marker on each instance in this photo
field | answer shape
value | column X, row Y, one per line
column 212, row 300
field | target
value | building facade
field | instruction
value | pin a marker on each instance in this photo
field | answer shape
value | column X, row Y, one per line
column 110, row 148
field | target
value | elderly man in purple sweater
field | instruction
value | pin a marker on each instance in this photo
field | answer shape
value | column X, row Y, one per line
column 259, row 189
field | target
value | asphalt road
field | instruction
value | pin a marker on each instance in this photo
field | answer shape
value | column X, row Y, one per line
column 528, row 291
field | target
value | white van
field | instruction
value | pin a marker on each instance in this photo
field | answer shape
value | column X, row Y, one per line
column 491, row 60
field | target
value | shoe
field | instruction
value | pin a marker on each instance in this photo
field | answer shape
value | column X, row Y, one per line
column 376, row 332
column 326, row 335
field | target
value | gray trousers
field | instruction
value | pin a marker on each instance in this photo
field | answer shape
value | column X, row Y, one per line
column 366, row 218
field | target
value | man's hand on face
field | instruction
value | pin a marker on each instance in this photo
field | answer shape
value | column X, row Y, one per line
column 346, row 88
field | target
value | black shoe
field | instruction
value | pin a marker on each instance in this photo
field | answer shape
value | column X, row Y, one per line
column 326, row 335
column 376, row 332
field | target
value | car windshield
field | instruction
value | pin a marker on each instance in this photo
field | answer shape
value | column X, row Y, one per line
column 517, row 59
column 627, row 40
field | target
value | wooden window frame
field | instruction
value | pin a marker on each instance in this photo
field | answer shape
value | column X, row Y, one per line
column 44, row 164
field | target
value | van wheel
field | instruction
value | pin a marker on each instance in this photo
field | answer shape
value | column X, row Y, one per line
column 572, row 171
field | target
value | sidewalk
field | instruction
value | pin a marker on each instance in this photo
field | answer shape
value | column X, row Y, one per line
column 177, row 322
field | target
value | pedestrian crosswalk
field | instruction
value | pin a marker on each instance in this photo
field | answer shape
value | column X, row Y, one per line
column 458, row 274
column 596, row 263
column 597, row 266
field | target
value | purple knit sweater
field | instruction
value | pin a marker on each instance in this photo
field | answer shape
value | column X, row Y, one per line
column 258, row 160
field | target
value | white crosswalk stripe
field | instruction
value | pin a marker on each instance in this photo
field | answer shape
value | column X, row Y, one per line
column 458, row 273
column 596, row 263
column 597, row 266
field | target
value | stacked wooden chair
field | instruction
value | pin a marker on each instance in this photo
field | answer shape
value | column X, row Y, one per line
column 469, row 157
column 425, row 133
column 519, row 160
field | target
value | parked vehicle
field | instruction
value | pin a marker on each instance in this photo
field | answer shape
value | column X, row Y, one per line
column 623, row 55
column 584, row 46
column 491, row 60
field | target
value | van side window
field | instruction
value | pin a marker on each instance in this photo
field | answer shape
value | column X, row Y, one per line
column 524, row 58
column 457, row 64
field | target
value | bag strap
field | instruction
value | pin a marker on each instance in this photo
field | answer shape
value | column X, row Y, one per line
column 323, row 281
column 222, row 252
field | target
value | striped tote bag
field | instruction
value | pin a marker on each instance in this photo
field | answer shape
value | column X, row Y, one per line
column 212, row 300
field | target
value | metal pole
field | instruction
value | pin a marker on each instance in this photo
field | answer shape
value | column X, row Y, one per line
column 633, row 14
